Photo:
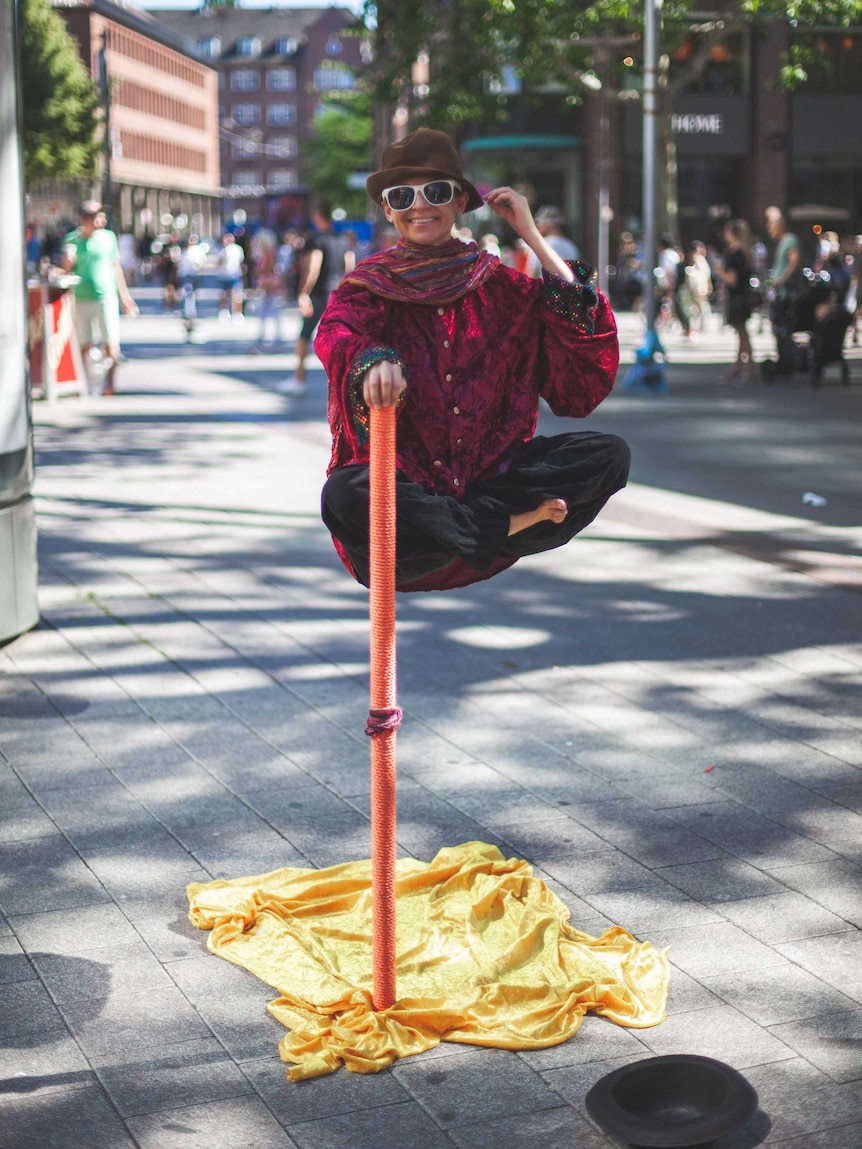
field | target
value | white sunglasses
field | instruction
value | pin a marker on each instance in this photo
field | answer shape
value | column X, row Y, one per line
column 437, row 193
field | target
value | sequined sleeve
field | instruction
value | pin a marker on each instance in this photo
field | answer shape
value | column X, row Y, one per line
column 363, row 363
column 576, row 301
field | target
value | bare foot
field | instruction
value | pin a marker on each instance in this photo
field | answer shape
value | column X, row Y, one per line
column 554, row 510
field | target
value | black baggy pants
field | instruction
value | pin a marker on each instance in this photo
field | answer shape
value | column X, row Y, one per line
column 584, row 468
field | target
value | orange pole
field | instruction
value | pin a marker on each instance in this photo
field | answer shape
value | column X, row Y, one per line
column 384, row 715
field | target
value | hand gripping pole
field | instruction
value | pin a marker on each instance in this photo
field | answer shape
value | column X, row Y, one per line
column 384, row 715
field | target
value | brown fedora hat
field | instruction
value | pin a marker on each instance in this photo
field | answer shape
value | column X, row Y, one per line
column 423, row 155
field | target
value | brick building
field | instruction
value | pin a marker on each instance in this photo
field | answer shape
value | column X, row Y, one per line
column 274, row 66
column 162, row 160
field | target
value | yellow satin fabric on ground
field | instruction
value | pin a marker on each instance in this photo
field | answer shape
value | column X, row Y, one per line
column 486, row 956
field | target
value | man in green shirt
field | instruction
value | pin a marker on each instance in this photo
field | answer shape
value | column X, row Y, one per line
column 786, row 279
column 92, row 253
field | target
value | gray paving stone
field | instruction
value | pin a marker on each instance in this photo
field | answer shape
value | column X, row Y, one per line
column 718, row 1031
column 836, row 958
column 847, row 1137
column 641, row 911
column 725, row 879
column 75, row 930
column 778, row 994
column 55, row 1065
column 27, row 1012
column 800, row 1100
column 133, row 1021
column 607, row 872
column 560, row 1128
column 455, row 1091
column 21, row 818
column 71, row 1119
column 573, row 1082
column 93, row 975
column 837, row 885
column 782, row 917
column 216, row 1125
column 232, row 1002
column 48, row 875
column 705, row 950
column 170, row 1078
column 332, row 1095
column 598, row 1039
column 15, row 965
column 554, row 837
column 405, row 1123
column 832, row 1042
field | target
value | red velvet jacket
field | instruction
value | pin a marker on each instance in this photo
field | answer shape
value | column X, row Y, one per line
column 475, row 370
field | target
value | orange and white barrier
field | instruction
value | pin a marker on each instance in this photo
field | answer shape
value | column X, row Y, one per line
column 56, row 363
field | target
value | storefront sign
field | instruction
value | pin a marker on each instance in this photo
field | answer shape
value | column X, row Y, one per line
column 698, row 124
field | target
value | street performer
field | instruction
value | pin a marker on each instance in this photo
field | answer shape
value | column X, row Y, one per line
column 464, row 346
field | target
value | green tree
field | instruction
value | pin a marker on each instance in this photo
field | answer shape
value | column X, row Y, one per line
column 471, row 42
column 341, row 145
column 59, row 99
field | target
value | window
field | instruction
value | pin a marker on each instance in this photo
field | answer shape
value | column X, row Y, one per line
column 281, row 147
column 246, row 177
column 285, row 46
column 210, row 46
column 832, row 60
column 330, row 77
column 280, row 114
column 246, row 113
column 281, row 79
column 280, row 179
column 242, row 149
column 244, row 80
column 333, row 47
column 248, row 46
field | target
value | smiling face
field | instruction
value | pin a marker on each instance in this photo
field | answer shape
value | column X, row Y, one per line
column 425, row 225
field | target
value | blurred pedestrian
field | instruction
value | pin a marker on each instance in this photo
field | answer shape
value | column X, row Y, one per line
column 697, row 286
column 232, row 266
column 552, row 227
column 189, row 269
column 463, row 347
column 327, row 257
column 785, row 281
column 92, row 253
column 268, row 283
column 735, row 273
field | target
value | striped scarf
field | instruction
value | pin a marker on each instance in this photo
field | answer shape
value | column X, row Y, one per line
column 411, row 273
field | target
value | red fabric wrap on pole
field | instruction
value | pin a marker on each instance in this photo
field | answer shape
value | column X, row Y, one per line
column 383, row 699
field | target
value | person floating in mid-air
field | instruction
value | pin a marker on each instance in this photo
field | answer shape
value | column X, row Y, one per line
column 464, row 346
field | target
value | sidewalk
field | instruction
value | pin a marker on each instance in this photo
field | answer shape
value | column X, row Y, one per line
column 663, row 718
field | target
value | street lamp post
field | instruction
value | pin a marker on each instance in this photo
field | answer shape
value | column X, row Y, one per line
column 648, row 373
column 650, row 139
